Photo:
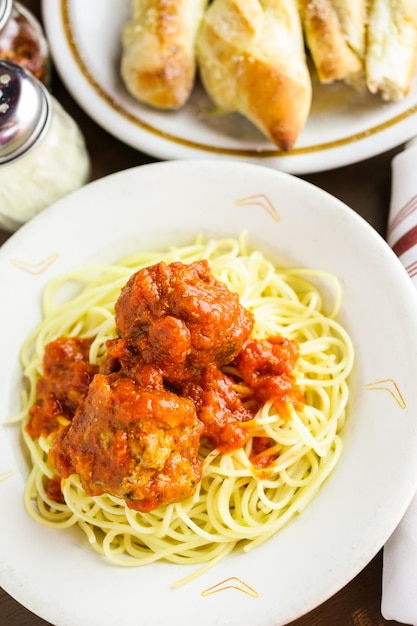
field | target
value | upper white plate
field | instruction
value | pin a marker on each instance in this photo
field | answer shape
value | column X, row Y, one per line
column 344, row 127
column 53, row 572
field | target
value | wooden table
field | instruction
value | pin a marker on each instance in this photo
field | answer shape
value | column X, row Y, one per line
column 366, row 188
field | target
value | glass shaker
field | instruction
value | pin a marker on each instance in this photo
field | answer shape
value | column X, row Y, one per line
column 22, row 39
column 43, row 155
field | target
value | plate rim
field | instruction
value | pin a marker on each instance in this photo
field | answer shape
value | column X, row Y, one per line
column 102, row 107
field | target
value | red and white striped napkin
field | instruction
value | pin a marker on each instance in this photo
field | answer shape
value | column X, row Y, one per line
column 399, row 577
column 402, row 223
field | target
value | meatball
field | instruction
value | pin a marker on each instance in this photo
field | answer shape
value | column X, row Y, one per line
column 180, row 318
column 137, row 443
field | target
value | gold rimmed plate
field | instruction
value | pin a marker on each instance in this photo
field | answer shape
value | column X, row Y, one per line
column 343, row 127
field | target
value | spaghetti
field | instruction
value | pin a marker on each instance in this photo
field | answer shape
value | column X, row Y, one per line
column 236, row 503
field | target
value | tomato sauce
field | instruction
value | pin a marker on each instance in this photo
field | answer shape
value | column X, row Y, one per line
column 66, row 379
column 267, row 368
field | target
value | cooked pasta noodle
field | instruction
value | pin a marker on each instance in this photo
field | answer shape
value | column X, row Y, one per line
column 235, row 503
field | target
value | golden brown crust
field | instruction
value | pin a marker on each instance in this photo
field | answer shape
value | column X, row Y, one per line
column 252, row 60
column 392, row 47
column 158, row 51
column 335, row 36
column 274, row 102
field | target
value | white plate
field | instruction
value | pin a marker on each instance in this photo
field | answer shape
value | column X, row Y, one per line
column 53, row 572
column 343, row 127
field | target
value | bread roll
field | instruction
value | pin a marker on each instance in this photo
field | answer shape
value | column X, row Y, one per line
column 392, row 47
column 251, row 59
column 335, row 33
column 158, row 61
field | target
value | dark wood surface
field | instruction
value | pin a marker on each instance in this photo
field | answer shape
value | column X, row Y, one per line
column 366, row 188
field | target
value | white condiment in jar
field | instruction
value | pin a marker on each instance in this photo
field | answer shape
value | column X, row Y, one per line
column 42, row 151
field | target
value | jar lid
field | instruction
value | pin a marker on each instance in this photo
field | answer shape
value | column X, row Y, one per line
column 5, row 10
column 25, row 107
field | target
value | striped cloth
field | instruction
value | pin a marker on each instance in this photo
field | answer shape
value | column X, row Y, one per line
column 399, row 576
column 402, row 224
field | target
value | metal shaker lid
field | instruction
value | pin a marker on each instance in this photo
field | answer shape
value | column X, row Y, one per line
column 5, row 11
column 25, row 107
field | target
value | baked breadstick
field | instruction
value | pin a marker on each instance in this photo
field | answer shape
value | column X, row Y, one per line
column 251, row 59
column 335, row 33
column 158, row 62
column 392, row 47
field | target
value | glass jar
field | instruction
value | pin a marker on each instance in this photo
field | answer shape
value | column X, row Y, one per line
column 22, row 39
column 43, row 155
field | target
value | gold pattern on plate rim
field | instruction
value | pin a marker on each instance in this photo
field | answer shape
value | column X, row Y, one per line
column 37, row 267
column 231, row 583
column 260, row 200
column 389, row 384
column 5, row 476
column 337, row 143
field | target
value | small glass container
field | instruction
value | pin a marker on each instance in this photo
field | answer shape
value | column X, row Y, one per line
column 43, row 155
column 22, row 40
